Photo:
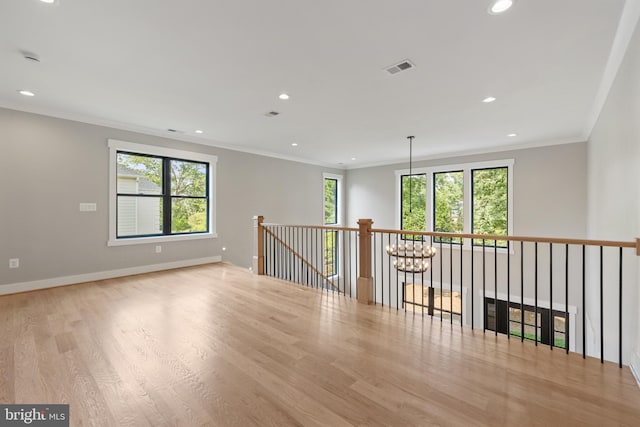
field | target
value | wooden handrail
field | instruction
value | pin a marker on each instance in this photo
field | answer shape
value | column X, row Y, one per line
column 586, row 242
column 558, row 240
column 304, row 260
column 314, row 227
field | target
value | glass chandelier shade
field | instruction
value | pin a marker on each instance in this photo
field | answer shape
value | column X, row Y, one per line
column 411, row 257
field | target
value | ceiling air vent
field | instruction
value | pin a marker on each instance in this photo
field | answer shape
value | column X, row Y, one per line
column 271, row 114
column 175, row 131
column 402, row 66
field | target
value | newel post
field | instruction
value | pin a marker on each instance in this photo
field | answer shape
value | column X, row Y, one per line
column 258, row 249
column 365, row 279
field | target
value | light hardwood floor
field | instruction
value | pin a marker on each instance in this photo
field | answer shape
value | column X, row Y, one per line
column 215, row 345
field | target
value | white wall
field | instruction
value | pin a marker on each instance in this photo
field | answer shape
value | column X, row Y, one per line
column 48, row 166
column 614, row 178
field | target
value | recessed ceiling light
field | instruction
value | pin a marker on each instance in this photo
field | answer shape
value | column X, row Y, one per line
column 488, row 99
column 294, row 144
column 353, row 158
column 500, row 6
column 511, row 135
column 283, row 96
column 198, row 131
column 26, row 93
column 48, row 1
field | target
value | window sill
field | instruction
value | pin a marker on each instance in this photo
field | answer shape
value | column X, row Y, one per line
column 160, row 239
column 515, row 299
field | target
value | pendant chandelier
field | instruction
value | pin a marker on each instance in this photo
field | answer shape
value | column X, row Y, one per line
column 411, row 257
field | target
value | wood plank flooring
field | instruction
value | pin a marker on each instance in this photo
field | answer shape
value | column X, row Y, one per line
column 215, row 345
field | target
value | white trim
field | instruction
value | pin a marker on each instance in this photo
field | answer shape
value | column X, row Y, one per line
column 635, row 366
column 626, row 28
column 159, row 239
column 160, row 151
column 101, row 275
column 571, row 309
column 472, row 152
column 82, row 119
column 116, row 145
column 459, row 166
column 87, row 120
column 200, row 140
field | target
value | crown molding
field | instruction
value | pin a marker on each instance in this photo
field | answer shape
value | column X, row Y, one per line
column 626, row 28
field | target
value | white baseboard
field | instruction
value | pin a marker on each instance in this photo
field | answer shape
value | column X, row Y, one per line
column 14, row 288
column 635, row 366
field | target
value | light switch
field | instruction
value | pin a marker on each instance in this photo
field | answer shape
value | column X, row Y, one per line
column 88, row 207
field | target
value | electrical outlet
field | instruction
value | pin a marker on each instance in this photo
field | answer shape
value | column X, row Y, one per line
column 14, row 263
column 158, row 249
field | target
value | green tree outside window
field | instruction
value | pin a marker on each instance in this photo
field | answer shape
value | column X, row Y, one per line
column 414, row 205
column 448, row 190
column 490, row 202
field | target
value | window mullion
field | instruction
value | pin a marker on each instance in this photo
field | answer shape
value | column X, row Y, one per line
column 166, row 193
column 208, row 195
column 430, row 202
column 467, row 203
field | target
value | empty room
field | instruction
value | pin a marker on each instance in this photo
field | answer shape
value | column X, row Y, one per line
column 320, row 213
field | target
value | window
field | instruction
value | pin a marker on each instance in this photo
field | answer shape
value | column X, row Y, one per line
column 413, row 203
column 535, row 326
column 468, row 198
column 490, row 203
column 448, row 203
column 330, row 201
column 160, row 194
column 331, row 216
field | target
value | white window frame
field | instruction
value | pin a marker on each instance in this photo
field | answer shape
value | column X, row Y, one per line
column 115, row 146
column 467, row 194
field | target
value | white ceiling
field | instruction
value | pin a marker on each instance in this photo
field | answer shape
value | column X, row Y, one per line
column 219, row 65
